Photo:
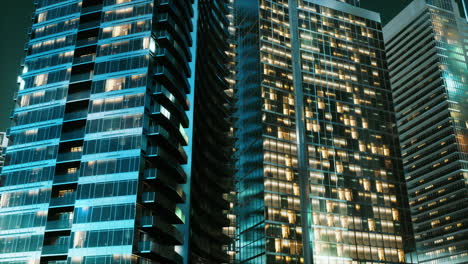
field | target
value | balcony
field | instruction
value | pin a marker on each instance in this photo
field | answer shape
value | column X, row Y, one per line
column 58, row 225
column 72, row 135
column 83, row 95
column 177, row 154
column 89, row 25
column 164, row 254
column 166, row 206
column 86, row 41
column 64, row 201
column 66, row 178
column 152, row 174
column 57, row 249
column 157, row 131
column 172, row 115
column 84, row 59
column 70, row 156
column 165, row 184
column 91, row 9
column 75, row 115
column 81, row 77
column 162, row 230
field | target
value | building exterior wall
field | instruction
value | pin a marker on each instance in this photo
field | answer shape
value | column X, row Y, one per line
column 96, row 171
column 319, row 178
column 3, row 145
column 426, row 48
column 211, row 172
column 352, row 2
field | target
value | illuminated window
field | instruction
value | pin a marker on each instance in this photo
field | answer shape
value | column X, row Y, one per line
column 41, row 79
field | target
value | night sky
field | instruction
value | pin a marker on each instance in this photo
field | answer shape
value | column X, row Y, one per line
column 16, row 19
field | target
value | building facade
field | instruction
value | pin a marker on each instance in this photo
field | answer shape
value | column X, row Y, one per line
column 319, row 177
column 211, row 170
column 100, row 167
column 426, row 47
column 3, row 145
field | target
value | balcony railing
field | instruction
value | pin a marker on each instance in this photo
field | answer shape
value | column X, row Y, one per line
column 81, row 77
column 59, row 224
column 57, row 249
column 153, row 150
column 169, row 230
column 69, row 156
column 90, row 9
column 66, row 178
column 84, row 59
column 57, row 262
column 158, row 130
column 76, row 134
column 151, row 174
column 88, row 25
column 78, row 96
column 76, row 115
column 167, row 253
column 66, row 200
column 85, row 42
column 148, row 197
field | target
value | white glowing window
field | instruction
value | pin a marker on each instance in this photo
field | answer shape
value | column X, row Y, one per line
column 98, row 102
column 121, row 30
column 25, row 100
column 31, row 132
column 42, row 17
column 165, row 112
column 124, row 10
column 76, row 149
column 146, row 42
column 41, row 79
column 114, row 84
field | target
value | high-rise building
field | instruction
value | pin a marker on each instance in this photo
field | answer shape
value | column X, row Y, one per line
column 231, row 197
column 319, row 178
column 352, row 2
column 426, row 47
column 211, row 171
column 3, row 145
column 105, row 163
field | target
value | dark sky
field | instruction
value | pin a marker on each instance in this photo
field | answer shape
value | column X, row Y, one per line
column 14, row 23
column 16, row 18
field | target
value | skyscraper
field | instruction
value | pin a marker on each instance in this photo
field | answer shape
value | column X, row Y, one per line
column 103, row 166
column 319, row 178
column 426, row 47
column 3, row 145
column 211, row 172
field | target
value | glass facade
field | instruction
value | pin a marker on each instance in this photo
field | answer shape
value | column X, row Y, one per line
column 318, row 176
column 352, row 2
column 95, row 172
column 211, row 172
column 427, row 55
column 3, row 145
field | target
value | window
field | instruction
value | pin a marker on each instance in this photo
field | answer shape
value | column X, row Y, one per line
column 41, row 79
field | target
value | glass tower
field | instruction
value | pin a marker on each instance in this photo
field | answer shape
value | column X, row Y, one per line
column 100, row 167
column 3, row 145
column 427, row 56
column 318, row 176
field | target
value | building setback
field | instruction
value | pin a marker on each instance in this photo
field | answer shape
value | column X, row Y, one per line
column 426, row 47
column 319, row 178
column 103, row 163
